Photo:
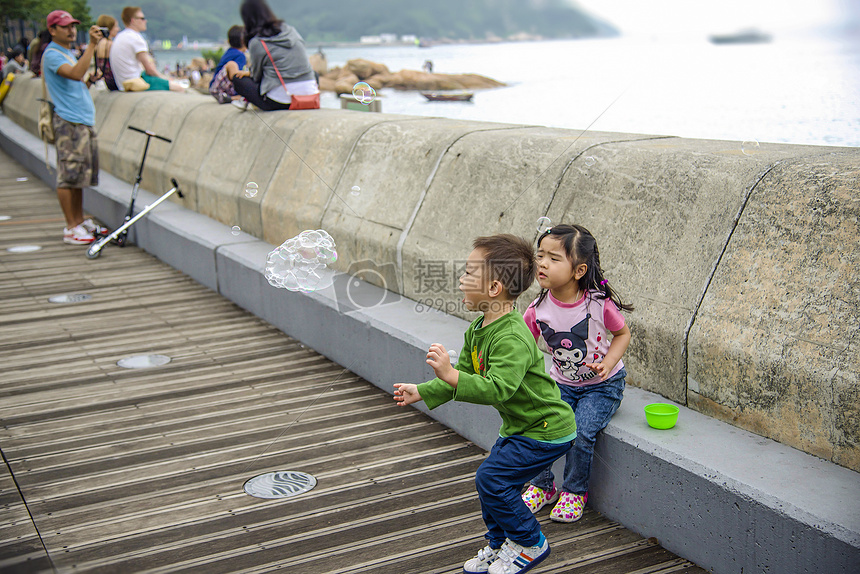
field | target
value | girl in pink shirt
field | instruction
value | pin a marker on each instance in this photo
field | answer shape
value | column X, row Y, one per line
column 577, row 316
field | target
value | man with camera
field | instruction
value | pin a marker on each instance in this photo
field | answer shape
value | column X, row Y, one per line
column 133, row 67
column 73, row 120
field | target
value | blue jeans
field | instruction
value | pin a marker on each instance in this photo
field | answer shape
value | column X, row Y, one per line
column 593, row 406
column 499, row 480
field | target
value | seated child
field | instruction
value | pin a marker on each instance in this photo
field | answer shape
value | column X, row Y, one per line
column 500, row 365
column 231, row 63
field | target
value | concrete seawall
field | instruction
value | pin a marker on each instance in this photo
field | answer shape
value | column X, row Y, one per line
column 715, row 248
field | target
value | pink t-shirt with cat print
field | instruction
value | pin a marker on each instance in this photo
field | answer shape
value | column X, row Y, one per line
column 576, row 334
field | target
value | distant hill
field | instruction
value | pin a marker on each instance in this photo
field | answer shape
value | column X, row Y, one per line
column 348, row 20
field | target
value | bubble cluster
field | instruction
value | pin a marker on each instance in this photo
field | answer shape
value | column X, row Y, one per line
column 750, row 147
column 235, row 230
column 590, row 160
column 251, row 189
column 454, row 357
column 356, row 191
column 298, row 263
column 543, row 224
column 363, row 93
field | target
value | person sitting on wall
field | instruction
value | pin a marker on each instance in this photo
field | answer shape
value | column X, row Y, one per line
column 133, row 67
column 233, row 60
column 43, row 39
column 109, row 28
column 280, row 66
column 15, row 64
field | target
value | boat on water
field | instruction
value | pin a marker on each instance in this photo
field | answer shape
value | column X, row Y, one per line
column 448, row 96
column 749, row 36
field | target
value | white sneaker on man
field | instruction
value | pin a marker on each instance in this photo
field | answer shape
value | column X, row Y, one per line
column 94, row 228
column 78, row 235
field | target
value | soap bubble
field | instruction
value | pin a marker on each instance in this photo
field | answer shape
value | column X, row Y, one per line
column 298, row 264
column 363, row 93
column 543, row 224
column 251, row 189
column 750, row 147
column 454, row 356
column 235, row 230
column 355, row 190
column 590, row 160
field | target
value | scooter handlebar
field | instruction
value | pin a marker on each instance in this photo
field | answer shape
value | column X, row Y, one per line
column 149, row 133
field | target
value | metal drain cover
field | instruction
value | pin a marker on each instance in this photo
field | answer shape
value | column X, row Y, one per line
column 280, row 484
column 5, row 217
column 70, row 298
column 143, row 361
column 23, row 248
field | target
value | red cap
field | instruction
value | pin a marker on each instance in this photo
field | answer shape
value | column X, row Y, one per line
column 61, row 18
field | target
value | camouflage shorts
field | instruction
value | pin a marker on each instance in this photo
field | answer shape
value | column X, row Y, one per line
column 77, row 154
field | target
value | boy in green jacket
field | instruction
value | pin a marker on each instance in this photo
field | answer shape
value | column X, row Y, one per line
column 500, row 365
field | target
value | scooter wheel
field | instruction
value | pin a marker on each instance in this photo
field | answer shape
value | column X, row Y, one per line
column 93, row 254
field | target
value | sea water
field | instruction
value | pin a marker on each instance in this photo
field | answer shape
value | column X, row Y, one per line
column 792, row 90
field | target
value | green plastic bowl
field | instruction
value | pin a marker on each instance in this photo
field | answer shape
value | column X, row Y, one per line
column 661, row 415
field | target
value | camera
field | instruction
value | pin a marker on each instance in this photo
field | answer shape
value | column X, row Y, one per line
column 105, row 31
column 365, row 285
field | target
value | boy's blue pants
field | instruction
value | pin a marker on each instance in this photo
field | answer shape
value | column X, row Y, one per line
column 499, row 480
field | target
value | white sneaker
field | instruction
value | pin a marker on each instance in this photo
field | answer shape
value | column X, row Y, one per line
column 514, row 558
column 78, row 235
column 94, row 228
column 480, row 563
column 241, row 104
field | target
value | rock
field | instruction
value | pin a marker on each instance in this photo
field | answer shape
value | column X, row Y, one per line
column 344, row 84
column 365, row 68
column 319, row 63
column 326, row 84
column 475, row 81
column 341, row 80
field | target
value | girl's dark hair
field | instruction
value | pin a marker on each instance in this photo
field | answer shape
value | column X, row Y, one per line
column 581, row 247
column 259, row 19
column 236, row 36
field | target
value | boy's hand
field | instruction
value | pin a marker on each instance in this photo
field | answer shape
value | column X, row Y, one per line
column 406, row 394
column 438, row 358
column 242, row 74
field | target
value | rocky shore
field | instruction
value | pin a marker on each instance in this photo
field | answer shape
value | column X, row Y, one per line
column 342, row 79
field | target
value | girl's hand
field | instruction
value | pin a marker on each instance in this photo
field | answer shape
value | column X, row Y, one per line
column 406, row 394
column 602, row 369
column 438, row 358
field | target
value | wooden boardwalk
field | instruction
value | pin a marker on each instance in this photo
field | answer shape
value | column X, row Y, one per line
column 107, row 469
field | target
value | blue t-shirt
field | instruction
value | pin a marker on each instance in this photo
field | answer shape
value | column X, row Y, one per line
column 72, row 100
column 231, row 55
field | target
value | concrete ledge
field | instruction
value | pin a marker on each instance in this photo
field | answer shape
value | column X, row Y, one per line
column 701, row 236
column 727, row 499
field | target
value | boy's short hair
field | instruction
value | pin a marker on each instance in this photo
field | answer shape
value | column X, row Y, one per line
column 128, row 13
column 510, row 260
column 236, row 36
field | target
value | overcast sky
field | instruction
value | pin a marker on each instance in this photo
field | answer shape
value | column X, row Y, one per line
column 659, row 17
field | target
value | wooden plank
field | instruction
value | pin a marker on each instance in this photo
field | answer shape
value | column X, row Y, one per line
column 142, row 470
